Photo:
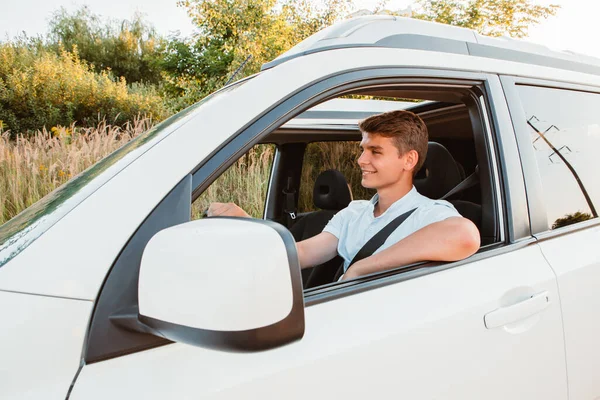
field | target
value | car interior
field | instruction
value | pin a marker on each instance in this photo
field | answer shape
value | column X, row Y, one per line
column 457, row 167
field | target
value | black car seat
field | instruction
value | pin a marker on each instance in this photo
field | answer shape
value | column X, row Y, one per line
column 439, row 175
column 330, row 194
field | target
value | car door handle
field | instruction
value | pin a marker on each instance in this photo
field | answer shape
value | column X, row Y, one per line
column 516, row 312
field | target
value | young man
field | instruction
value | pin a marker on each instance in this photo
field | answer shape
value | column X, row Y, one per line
column 394, row 146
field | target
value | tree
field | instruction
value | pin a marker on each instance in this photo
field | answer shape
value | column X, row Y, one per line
column 571, row 219
column 235, row 33
column 129, row 49
column 488, row 17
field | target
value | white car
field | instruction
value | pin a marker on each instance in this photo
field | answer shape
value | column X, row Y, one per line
column 108, row 289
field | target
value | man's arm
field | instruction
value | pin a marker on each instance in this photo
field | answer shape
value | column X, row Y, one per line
column 317, row 250
column 452, row 239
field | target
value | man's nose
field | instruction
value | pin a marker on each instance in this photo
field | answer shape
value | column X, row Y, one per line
column 362, row 159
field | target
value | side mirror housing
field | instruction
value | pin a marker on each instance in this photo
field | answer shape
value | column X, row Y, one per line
column 225, row 283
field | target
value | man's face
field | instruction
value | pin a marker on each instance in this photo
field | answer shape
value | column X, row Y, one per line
column 381, row 163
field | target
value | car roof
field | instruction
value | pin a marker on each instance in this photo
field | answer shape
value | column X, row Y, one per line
column 386, row 31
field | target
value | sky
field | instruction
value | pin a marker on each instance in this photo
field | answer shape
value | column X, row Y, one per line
column 575, row 27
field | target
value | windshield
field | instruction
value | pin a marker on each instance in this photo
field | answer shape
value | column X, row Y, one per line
column 23, row 229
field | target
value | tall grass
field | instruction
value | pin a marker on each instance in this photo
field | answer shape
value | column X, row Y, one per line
column 331, row 155
column 32, row 167
column 244, row 183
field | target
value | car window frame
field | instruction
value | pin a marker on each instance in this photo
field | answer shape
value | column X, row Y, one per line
column 272, row 168
column 515, row 230
column 535, row 191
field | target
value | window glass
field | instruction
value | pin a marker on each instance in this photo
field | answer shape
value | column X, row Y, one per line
column 244, row 183
column 321, row 156
column 564, row 128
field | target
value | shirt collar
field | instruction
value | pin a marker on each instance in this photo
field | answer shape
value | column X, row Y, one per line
column 398, row 203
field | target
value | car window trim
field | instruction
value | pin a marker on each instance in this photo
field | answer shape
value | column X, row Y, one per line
column 337, row 290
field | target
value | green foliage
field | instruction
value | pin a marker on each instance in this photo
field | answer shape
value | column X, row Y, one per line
column 488, row 17
column 570, row 219
column 129, row 49
column 232, row 33
column 89, row 68
column 39, row 88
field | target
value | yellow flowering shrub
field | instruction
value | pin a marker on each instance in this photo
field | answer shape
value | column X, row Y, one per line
column 40, row 89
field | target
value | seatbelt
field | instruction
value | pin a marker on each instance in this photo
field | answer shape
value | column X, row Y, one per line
column 469, row 181
column 376, row 241
column 289, row 202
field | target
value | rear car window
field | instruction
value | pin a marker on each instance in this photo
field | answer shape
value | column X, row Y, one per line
column 564, row 128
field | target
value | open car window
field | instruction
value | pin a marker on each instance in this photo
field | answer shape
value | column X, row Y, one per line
column 244, row 183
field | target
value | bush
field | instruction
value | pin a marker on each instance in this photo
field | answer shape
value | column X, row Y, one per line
column 39, row 88
column 129, row 48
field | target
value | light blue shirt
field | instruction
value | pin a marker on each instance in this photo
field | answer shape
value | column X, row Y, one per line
column 356, row 224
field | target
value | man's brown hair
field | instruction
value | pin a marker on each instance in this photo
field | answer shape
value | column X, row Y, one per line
column 407, row 130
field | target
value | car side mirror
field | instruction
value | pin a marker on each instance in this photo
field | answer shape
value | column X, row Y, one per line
column 225, row 283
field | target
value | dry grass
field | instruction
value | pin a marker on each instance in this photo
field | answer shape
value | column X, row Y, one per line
column 32, row 167
column 331, row 155
column 244, row 183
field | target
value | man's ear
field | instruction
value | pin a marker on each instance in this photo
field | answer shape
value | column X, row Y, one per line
column 411, row 158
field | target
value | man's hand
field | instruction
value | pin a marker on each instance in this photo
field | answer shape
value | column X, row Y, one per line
column 225, row 210
column 351, row 273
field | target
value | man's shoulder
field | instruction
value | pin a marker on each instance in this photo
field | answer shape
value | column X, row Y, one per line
column 431, row 210
column 425, row 203
column 435, row 204
column 356, row 207
column 358, row 204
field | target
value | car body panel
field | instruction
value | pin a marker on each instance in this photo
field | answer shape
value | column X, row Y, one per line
column 576, row 261
column 42, row 341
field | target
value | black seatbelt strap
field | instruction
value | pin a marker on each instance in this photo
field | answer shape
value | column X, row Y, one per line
column 469, row 181
column 289, row 202
column 380, row 237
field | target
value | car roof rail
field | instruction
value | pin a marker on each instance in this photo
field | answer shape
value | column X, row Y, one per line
column 387, row 31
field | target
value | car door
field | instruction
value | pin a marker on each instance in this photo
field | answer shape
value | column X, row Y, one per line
column 424, row 337
column 558, row 126
column 486, row 327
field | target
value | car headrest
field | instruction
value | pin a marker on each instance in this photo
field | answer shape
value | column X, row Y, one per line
column 331, row 191
column 439, row 174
